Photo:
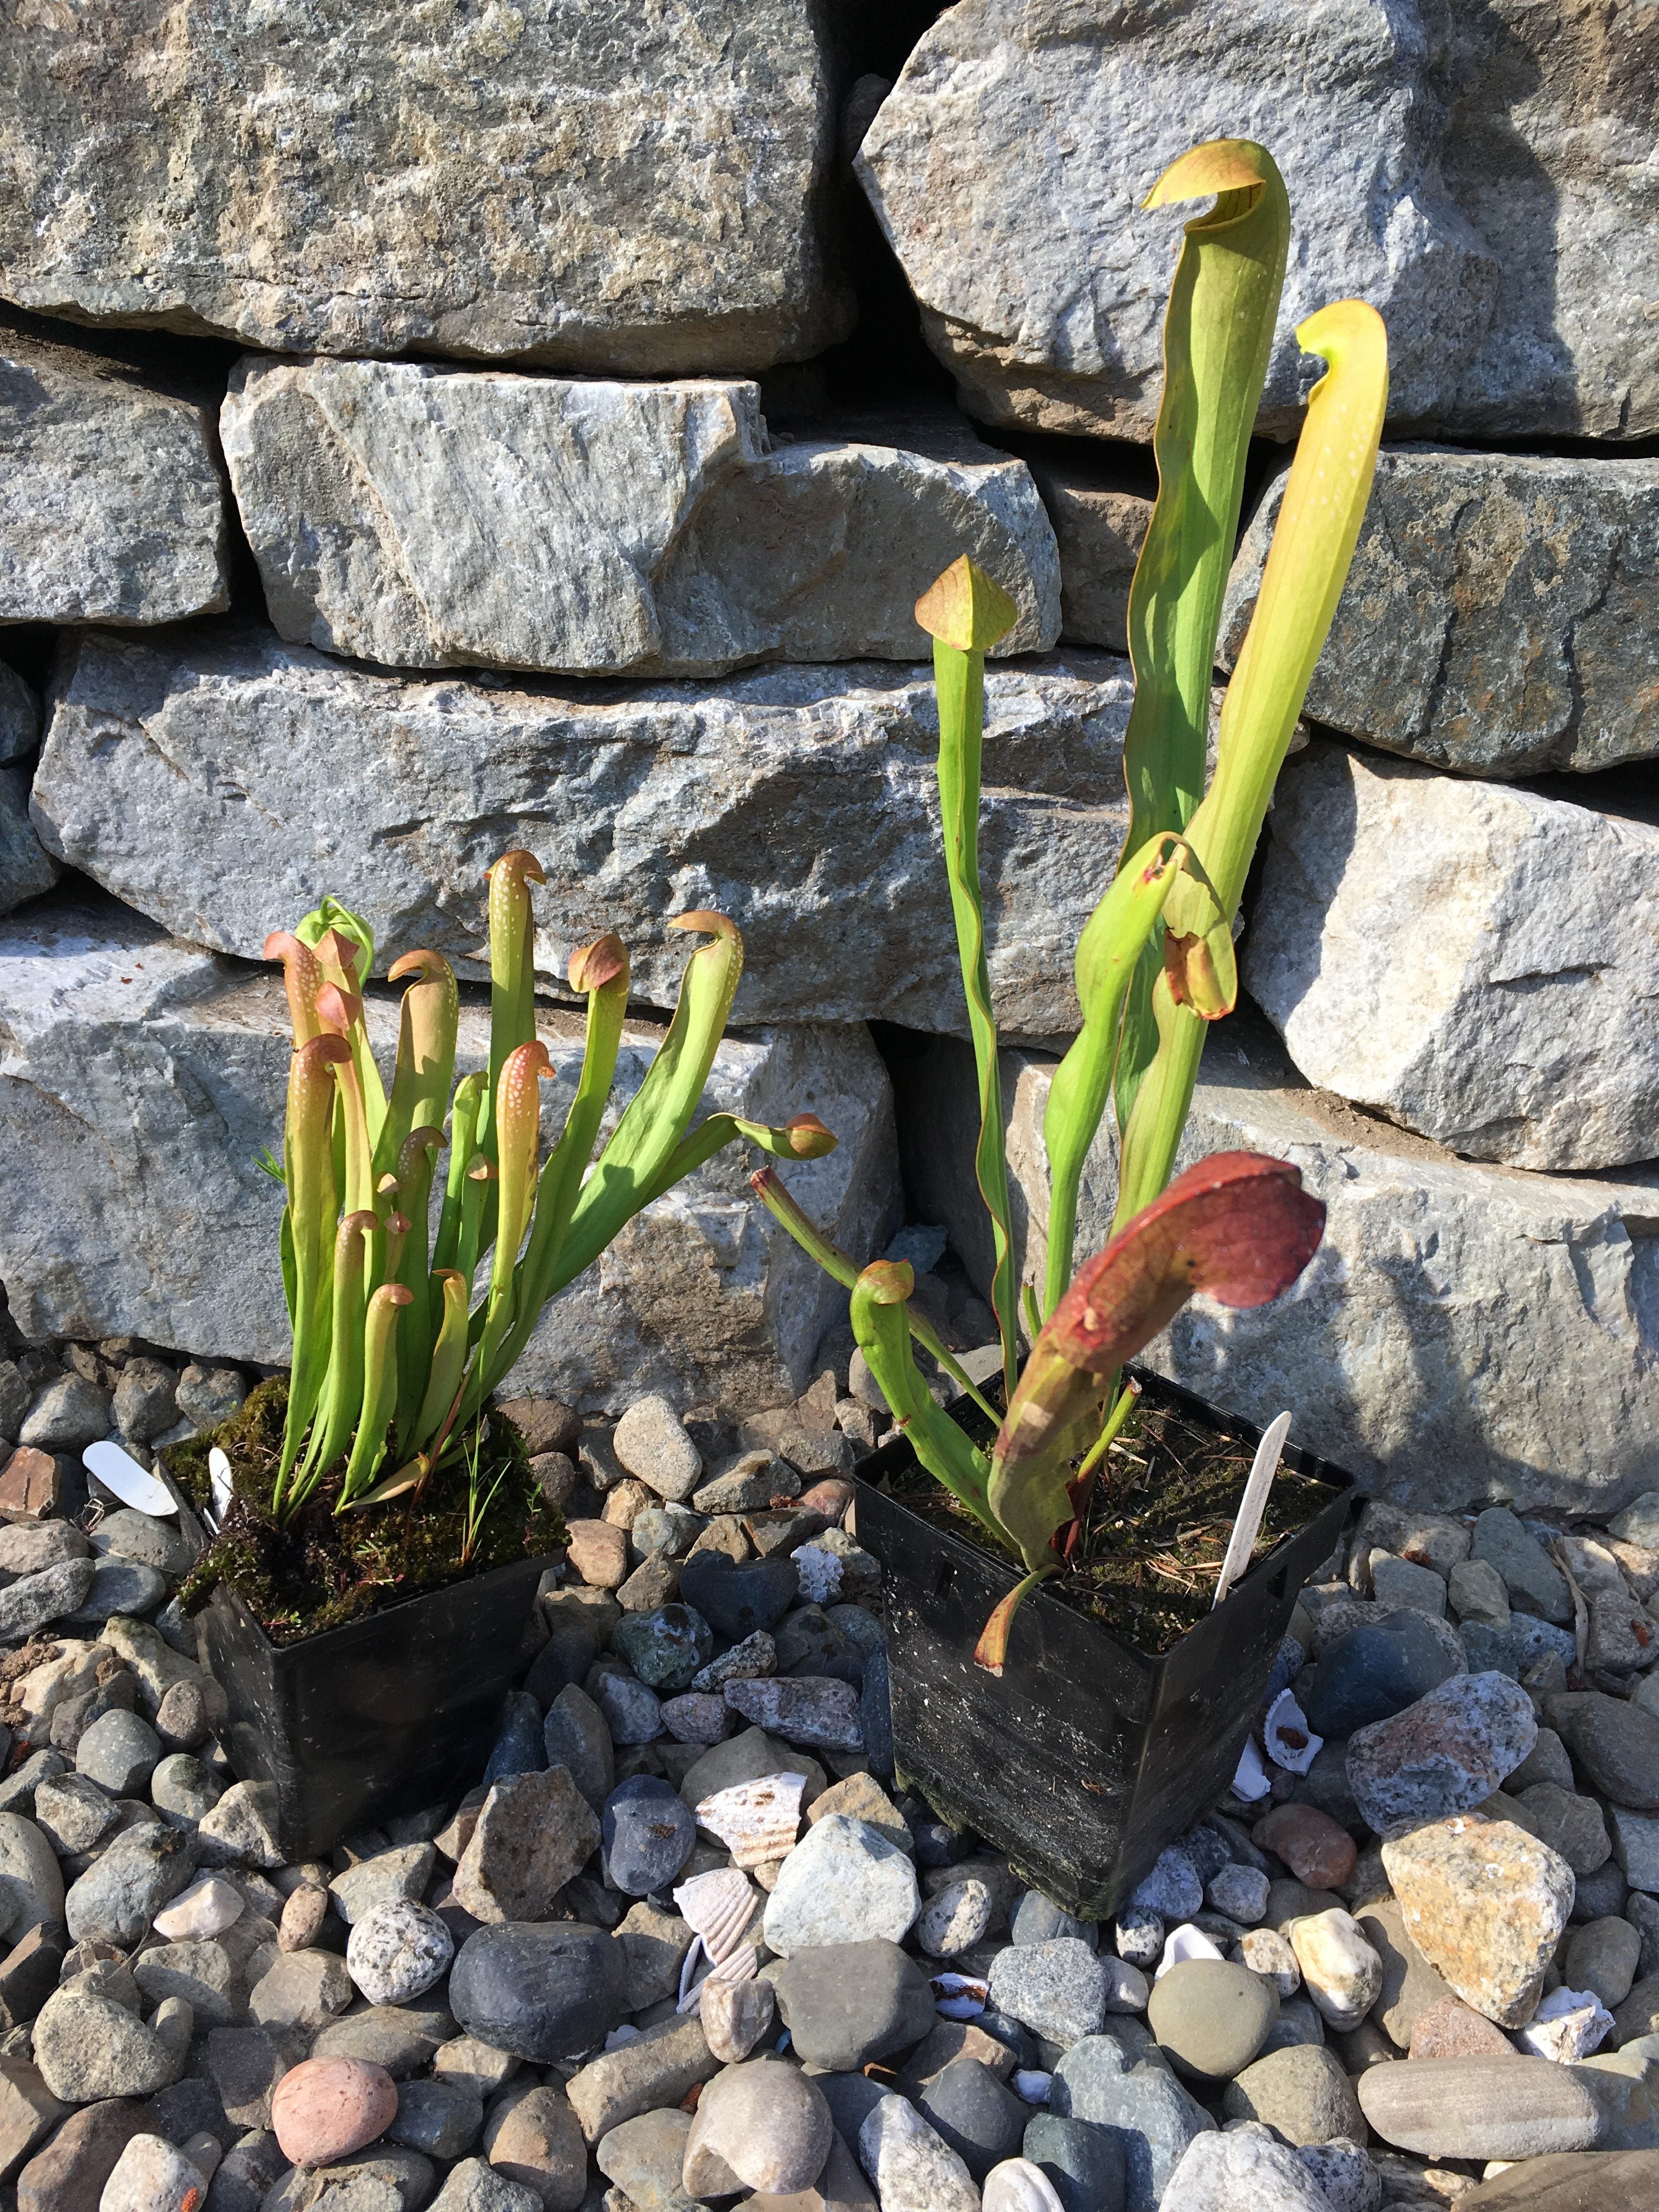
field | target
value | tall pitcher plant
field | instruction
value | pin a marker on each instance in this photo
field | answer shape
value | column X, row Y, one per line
column 402, row 1322
column 1154, row 963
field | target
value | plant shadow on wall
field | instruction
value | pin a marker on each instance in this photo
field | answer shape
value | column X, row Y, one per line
column 1069, row 1462
column 374, row 1469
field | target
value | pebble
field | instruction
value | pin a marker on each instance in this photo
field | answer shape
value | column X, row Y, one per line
column 651, row 1442
column 304, row 1912
column 735, row 2015
column 473, row 2186
column 955, row 1918
column 397, row 1951
column 1568, row 2024
column 842, row 1883
column 1172, row 1890
column 1568, row 1823
column 847, row 2005
column 1475, row 1591
column 1615, row 1743
column 631, row 1712
column 301, row 1990
column 1038, row 1919
column 33, row 1599
column 73, row 1813
column 862, row 1798
column 1340, row 1970
column 532, row 2137
column 1478, row 2108
column 1057, row 1989
column 1138, row 1937
column 1603, row 1956
column 534, row 1833
column 665, row 1648
column 151, row 2176
column 1446, row 1754
column 517, row 1748
column 1212, row 2017
column 401, row 2038
column 738, row 1601
column 1450, row 2029
column 761, row 2125
column 648, row 1836
column 542, row 1991
column 813, row 1710
column 87, row 2047
column 757, row 1654
column 1534, row 1583
column 1242, row 2173
column 646, row 2157
column 1240, row 1891
column 325, row 2108
column 1486, row 1904
column 1265, row 1952
column 1315, row 1849
column 183, row 1791
column 913, row 2168
column 1346, row 2173
column 1518, row 1648
column 441, row 2119
column 699, row 1718
column 241, row 1828
column 1377, row 1670
column 386, row 1875
column 1302, row 2093
column 1019, row 2186
column 119, row 1753
column 576, row 1737
column 1082, row 2164
column 116, row 1899
column 1153, row 2116
column 971, row 2111
column 1396, row 1584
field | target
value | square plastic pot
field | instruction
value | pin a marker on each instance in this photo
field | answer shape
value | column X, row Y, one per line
column 1086, row 1757
column 381, row 1716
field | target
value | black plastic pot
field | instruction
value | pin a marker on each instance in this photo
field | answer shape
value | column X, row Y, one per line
column 384, row 1716
column 1085, row 1757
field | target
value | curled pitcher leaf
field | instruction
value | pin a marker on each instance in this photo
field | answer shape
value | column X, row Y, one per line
column 1237, row 1226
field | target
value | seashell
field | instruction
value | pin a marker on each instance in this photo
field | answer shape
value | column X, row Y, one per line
column 1027, row 2081
column 756, row 1820
column 718, row 1907
column 1182, row 1943
column 735, row 2016
column 219, row 1481
column 1250, row 1783
column 1017, row 2185
column 741, row 1965
column 959, row 1996
column 120, row 1472
column 1291, row 1742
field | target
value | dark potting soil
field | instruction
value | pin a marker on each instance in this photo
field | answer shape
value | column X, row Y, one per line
column 1155, row 1521
column 321, row 1570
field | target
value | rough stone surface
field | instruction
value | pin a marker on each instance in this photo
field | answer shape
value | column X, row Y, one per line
column 1486, row 1904
column 1433, row 950
column 1490, row 218
column 665, row 213
column 396, row 1951
column 534, row 1832
column 1057, row 1989
column 1615, row 1742
column 441, row 518
column 1139, row 2100
column 844, row 1882
column 27, row 869
column 1462, row 1330
column 1513, row 590
column 111, row 507
column 89, row 2047
column 1508, row 2108
column 787, row 798
column 1242, row 2173
column 1447, row 1753
column 1302, row 2093
column 168, row 1233
column 914, row 2168
column 660, row 2068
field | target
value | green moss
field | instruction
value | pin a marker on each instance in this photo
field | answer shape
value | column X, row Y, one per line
column 320, row 1569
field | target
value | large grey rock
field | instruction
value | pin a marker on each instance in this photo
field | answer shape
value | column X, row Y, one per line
column 20, row 717
column 27, row 869
column 111, row 506
column 145, row 1076
column 442, row 518
column 1478, row 963
column 1473, row 171
column 1462, row 1330
column 801, row 801
column 1515, row 593
column 642, row 194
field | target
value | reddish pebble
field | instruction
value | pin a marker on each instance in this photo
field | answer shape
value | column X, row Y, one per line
column 1309, row 1842
column 302, row 1917
column 598, row 1551
column 327, row 2108
column 831, row 1496
column 1451, row 2029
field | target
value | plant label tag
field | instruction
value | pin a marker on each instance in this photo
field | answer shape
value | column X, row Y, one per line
column 219, row 1476
column 120, row 1472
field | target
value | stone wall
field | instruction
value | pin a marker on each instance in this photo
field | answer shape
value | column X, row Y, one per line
column 436, row 434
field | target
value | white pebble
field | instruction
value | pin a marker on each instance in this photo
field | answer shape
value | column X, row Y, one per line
column 207, row 1908
column 1568, row 2024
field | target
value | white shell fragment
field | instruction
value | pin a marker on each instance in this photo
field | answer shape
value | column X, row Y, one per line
column 718, row 1907
column 739, row 1965
column 1291, row 1742
column 1017, row 2185
column 960, row 1997
column 820, row 1573
column 117, row 1470
column 1030, row 2083
column 1568, row 2024
column 219, row 1478
column 1183, row 1944
column 756, row 1820
column 1250, row 1783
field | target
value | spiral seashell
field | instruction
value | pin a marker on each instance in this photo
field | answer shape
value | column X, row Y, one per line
column 1017, row 2185
column 1291, row 1742
column 718, row 1907
column 756, row 1820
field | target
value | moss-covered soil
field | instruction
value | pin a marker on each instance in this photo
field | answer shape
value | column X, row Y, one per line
column 321, row 1568
column 1155, row 1524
